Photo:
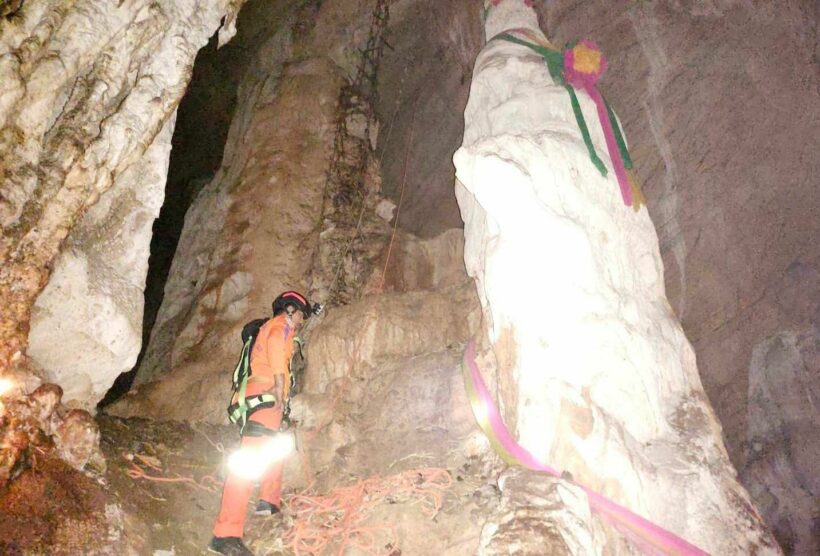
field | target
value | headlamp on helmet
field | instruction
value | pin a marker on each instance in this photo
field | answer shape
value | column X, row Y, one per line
column 291, row 299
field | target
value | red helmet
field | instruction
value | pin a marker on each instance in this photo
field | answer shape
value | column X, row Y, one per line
column 294, row 299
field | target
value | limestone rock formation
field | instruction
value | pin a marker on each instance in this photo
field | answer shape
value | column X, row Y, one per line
column 251, row 233
column 539, row 514
column 577, row 318
column 77, row 439
column 85, row 90
column 88, row 90
column 86, row 325
column 783, row 462
column 38, row 425
column 212, row 276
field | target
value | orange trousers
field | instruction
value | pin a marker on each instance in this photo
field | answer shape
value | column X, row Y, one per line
column 237, row 491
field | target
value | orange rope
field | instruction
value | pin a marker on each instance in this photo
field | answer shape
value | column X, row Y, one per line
column 207, row 482
column 336, row 520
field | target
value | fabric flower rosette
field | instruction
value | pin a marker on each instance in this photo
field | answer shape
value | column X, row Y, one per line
column 579, row 66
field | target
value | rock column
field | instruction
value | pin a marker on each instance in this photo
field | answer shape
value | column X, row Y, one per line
column 595, row 374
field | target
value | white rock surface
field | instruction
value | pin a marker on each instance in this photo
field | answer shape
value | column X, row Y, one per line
column 595, row 374
column 540, row 514
column 85, row 89
column 86, row 325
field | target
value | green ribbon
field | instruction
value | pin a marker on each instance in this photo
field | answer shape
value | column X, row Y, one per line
column 555, row 65
column 582, row 125
column 553, row 58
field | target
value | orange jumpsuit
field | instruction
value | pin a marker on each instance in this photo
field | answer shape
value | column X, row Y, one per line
column 270, row 357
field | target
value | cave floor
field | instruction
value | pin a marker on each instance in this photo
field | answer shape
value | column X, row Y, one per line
column 173, row 514
column 49, row 508
column 166, row 518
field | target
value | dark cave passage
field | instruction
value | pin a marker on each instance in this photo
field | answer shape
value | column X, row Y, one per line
column 202, row 123
column 422, row 85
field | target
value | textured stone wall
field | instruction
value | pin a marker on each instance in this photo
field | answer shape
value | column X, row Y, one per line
column 424, row 84
column 85, row 89
column 571, row 283
column 86, row 326
column 719, row 101
column 208, row 254
column 253, row 230
column 720, row 105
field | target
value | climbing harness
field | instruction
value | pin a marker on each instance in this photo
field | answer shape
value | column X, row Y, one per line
column 242, row 406
column 579, row 66
column 645, row 535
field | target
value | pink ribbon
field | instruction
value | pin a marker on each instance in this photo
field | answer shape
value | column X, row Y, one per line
column 611, row 145
column 645, row 535
column 587, row 82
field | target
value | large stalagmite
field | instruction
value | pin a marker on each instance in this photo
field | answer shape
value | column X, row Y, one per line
column 595, row 374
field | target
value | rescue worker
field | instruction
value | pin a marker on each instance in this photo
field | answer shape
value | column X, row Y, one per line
column 269, row 362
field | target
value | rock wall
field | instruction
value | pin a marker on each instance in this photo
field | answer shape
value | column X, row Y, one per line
column 571, row 283
column 253, row 230
column 244, row 243
column 208, row 254
column 423, row 89
column 86, row 87
column 719, row 101
column 86, row 325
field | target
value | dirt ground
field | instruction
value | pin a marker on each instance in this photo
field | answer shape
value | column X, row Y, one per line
column 167, row 515
column 52, row 509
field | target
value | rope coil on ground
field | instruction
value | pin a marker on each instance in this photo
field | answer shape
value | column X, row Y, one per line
column 207, row 482
column 337, row 519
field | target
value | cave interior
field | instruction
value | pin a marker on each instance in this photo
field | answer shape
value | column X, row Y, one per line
column 314, row 151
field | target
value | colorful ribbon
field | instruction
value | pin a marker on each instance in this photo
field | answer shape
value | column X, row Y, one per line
column 580, row 66
column 645, row 535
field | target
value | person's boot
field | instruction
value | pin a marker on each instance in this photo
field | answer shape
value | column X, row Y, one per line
column 263, row 507
column 229, row 546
